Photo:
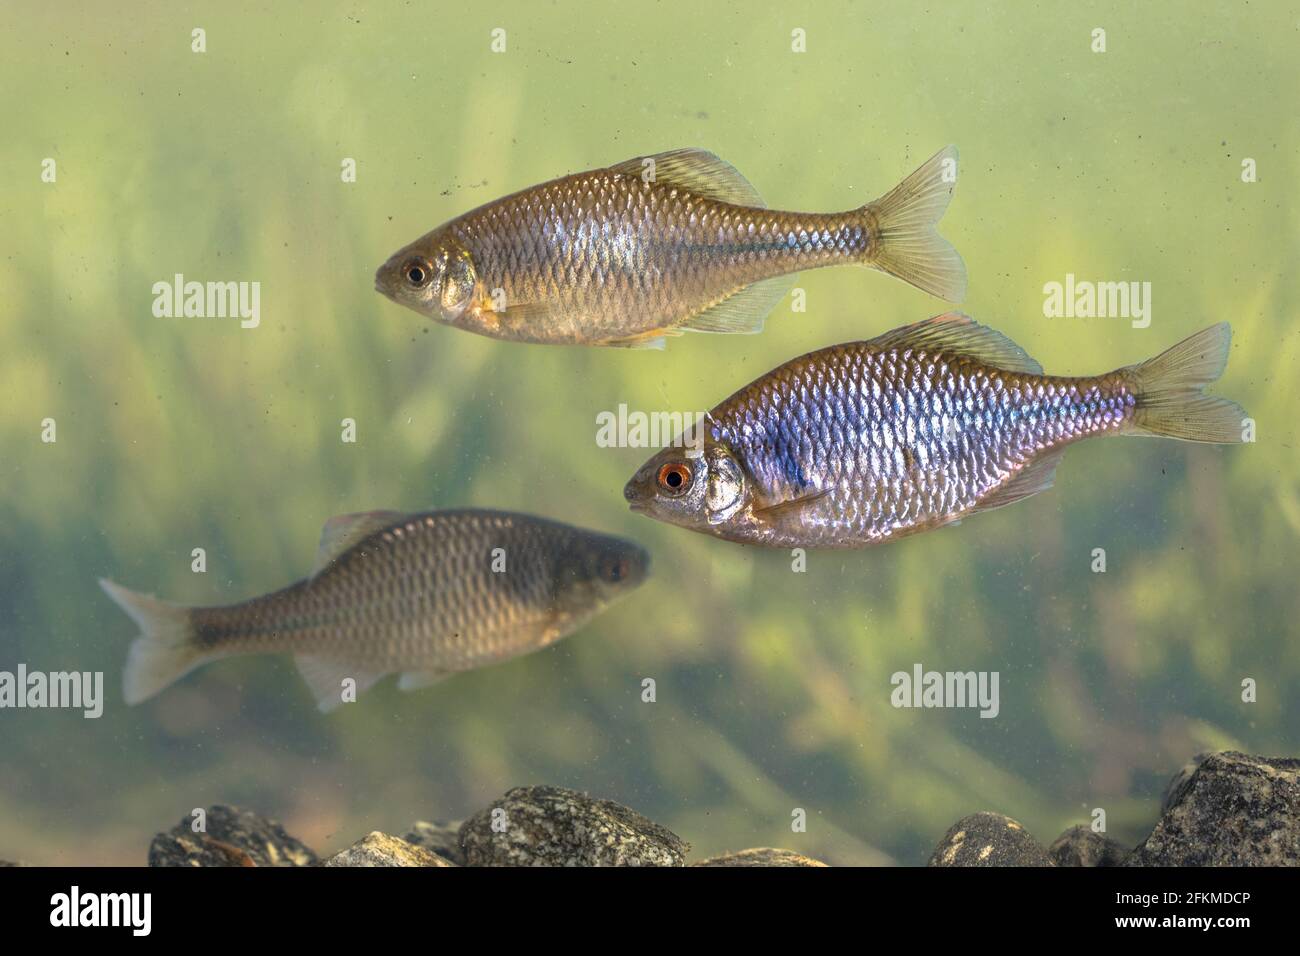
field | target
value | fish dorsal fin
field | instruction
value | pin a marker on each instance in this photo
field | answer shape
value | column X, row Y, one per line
column 343, row 531
column 744, row 310
column 955, row 332
column 1032, row 478
column 698, row 172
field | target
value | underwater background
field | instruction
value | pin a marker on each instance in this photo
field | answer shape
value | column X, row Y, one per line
column 773, row 687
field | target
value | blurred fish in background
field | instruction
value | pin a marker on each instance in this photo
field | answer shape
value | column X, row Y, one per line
column 423, row 595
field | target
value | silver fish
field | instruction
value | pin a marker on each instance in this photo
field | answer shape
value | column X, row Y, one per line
column 863, row 443
column 658, row 245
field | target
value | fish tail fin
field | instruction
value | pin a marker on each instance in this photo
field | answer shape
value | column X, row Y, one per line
column 905, row 242
column 165, row 650
column 1170, row 391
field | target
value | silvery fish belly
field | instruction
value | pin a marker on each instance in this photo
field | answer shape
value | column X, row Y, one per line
column 658, row 245
column 862, row 443
column 423, row 595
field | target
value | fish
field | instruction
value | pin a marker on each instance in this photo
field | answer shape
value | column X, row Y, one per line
column 423, row 595
column 632, row 254
column 865, row 442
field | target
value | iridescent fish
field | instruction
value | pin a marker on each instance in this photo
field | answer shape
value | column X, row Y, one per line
column 656, row 246
column 863, row 443
column 423, row 595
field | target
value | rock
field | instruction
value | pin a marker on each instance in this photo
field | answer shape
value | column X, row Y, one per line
column 380, row 849
column 11, row 863
column 442, row 838
column 1178, row 783
column 988, row 839
column 233, row 837
column 764, row 856
column 1079, row 846
column 1231, row 810
column 551, row 826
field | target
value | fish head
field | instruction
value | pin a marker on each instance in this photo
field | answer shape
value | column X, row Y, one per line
column 593, row 571
column 435, row 276
column 696, row 489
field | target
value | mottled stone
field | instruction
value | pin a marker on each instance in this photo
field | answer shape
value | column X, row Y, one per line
column 988, row 839
column 1178, row 782
column 761, row 856
column 1079, row 846
column 551, row 826
column 442, row 838
column 380, row 849
column 232, row 837
column 1232, row 810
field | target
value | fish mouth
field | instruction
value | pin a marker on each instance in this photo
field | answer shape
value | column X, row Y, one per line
column 635, row 500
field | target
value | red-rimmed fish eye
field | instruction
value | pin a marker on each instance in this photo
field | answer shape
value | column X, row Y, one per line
column 675, row 477
column 417, row 273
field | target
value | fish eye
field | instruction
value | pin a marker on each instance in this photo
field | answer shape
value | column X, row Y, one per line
column 417, row 273
column 615, row 569
column 675, row 477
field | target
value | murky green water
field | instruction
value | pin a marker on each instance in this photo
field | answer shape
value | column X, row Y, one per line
column 773, row 687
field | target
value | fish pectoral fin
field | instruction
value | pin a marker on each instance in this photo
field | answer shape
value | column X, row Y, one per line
column 1032, row 478
column 744, row 311
column 516, row 314
column 792, row 506
column 343, row 531
column 417, row 680
column 961, row 335
column 325, row 677
column 696, row 171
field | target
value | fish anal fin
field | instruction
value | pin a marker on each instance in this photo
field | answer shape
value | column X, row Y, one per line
column 325, row 676
column 695, row 171
column 1033, row 477
column 744, row 311
column 417, row 680
column 343, row 531
column 959, row 334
